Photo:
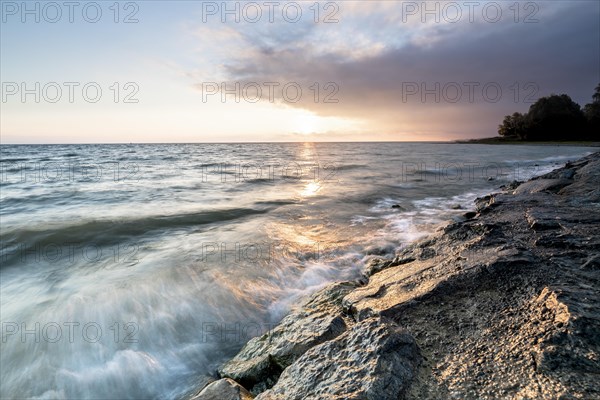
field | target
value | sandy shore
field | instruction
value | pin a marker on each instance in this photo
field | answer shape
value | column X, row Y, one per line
column 505, row 304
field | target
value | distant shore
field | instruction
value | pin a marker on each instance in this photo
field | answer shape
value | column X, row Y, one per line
column 501, row 140
column 504, row 304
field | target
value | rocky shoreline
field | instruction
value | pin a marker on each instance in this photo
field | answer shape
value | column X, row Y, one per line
column 505, row 304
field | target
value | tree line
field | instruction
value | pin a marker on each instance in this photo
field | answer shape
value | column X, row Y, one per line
column 555, row 117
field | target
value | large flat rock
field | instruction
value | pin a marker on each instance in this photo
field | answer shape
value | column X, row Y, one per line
column 540, row 185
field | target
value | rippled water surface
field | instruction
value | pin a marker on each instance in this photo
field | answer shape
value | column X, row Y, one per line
column 130, row 270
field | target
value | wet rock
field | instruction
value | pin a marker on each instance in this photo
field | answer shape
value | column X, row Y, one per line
column 485, row 203
column 258, row 365
column 379, row 251
column 592, row 263
column 400, row 260
column 470, row 215
column 585, row 189
column 509, row 262
column 561, row 241
column 377, row 265
column 540, row 185
column 223, row 389
column 426, row 253
column 397, row 288
column 512, row 185
column 459, row 231
column 539, row 221
column 375, row 360
column 408, row 255
column 567, row 174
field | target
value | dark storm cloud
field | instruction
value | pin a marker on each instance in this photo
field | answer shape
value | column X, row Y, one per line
column 558, row 54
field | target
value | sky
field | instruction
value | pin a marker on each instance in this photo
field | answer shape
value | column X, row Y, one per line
column 214, row 71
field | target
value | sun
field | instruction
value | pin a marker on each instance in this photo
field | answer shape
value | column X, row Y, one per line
column 307, row 123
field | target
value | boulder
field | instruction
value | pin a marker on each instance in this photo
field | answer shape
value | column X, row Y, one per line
column 485, row 203
column 223, row 389
column 258, row 365
column 374, row 360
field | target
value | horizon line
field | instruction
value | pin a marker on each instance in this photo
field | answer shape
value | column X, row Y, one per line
column 243, row 142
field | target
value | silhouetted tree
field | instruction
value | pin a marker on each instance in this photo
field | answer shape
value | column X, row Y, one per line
column 513, row 126
column 555, row 117
column 592, row 114
column 596, row 95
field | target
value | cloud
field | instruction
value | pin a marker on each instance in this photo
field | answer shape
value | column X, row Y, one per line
column 377, row 56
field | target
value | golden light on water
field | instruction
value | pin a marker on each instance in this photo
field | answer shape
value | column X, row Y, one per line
column 311, row 189
column 309, row 154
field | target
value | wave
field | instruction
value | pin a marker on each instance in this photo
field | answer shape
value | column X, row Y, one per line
column 344, row 167
column 276, row 202
column 258, row 180
column 555, row 159
column 111, row 232
column 9, row 160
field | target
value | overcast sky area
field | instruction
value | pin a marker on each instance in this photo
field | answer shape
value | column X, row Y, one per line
column 192, row 71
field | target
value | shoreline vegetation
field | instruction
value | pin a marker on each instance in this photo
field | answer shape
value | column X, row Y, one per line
column 516, row 141
column 552, row 120
column 505, row 303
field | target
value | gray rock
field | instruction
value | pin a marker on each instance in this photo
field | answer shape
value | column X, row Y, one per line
column 377, row 265
column 540, row 220
column 375, row 360
column 592, row 263
column 585, row 188
column 379, row 251
column 470, row 215
column 223, row 389
column 483, row 204
column 567, row 174
column 426, row 253
column 540, row 185
column 512, row 185
column 258, row 365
